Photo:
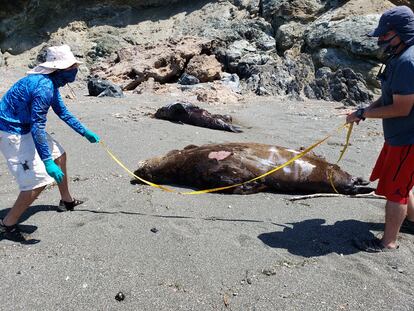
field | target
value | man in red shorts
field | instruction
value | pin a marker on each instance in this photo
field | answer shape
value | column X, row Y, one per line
column 395, row 165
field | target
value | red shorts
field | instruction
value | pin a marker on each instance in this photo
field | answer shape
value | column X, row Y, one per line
column 395, row 171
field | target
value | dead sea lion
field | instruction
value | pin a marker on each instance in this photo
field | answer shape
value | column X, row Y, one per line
column 191, row 114
column 217, row 165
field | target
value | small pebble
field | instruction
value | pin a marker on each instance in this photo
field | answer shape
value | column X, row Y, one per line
column 120, row 296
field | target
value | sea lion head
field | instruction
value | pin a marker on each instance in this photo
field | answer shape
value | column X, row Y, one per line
column 143, row 171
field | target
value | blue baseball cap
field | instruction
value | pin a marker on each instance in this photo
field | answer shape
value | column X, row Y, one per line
column 401, row 20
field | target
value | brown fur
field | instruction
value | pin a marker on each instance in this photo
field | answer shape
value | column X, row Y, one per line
column 190, row 114
column 193, row 167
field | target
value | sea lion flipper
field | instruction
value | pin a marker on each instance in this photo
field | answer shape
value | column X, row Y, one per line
column 235, row 129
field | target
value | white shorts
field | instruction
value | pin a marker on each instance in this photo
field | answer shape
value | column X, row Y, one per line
column 24, row 162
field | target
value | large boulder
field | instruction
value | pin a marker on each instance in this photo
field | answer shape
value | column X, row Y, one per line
column 348, row 34
column 240, row 56
column 103, row 88
column 289, row 34
column 281, row 77
column 280, row 12
column 204, row 67
column 346, row 26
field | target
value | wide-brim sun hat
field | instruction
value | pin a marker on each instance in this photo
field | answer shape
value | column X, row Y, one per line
column 57, row 57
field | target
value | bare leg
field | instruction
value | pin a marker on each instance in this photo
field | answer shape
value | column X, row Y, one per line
column 63, row 186
column 23, row 201
column 394, row 216
column 410, row 207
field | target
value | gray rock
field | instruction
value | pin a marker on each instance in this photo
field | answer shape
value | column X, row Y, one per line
column 103, row 45
column 288, row 35
column 187, row 79
column 326, row 33
column 284, row 77
column 344, row 85
column 279, row 12
column 100, row 88
column 257, row 31
column 1, row 59
column 336, row 58
column 231, row 80
column 240, row 56
column 252, row 6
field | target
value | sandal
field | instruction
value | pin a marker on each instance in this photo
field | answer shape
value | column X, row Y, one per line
column 68, row 206
column 372, row 246
column 407, row 226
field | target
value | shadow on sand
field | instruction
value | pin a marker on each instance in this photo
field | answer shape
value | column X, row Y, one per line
column 311, row 238
column 29, row 229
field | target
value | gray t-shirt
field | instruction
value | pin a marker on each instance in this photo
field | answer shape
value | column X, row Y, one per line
column 398, row 79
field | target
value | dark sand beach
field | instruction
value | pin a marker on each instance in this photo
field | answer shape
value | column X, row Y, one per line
column 211, row 251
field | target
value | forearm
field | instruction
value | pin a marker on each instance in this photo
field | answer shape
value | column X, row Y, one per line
column 40, row 140
column 375, row 104
column 75, row 124
column 383, row 112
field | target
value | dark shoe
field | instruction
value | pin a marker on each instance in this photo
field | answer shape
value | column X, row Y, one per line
column 68, row 206
column 407, row 226
column 13, row 233
column 372, row 246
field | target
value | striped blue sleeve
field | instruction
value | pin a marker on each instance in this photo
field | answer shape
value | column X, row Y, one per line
column 63, row 113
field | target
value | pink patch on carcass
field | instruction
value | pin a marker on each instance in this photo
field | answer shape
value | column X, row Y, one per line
column 219, row 155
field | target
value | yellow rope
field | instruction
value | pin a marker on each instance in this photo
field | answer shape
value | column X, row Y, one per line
column 348, row 136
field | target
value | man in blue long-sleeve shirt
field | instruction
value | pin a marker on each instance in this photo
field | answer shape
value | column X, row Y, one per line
column 33, row 157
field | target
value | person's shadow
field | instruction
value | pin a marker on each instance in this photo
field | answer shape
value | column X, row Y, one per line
column 29, row 229
column 311, row 238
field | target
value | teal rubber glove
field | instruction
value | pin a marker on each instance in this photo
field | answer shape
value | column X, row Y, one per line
column 92, row 137
column 53, row 170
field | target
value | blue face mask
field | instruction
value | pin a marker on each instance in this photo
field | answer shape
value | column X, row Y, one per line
column 62, row 77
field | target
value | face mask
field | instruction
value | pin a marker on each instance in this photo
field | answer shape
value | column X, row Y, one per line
column 62, row 77
column 386, row 48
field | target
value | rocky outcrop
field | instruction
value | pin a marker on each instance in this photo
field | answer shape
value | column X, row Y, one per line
column 273, row 47
column 344, row 85
column 163, row 62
